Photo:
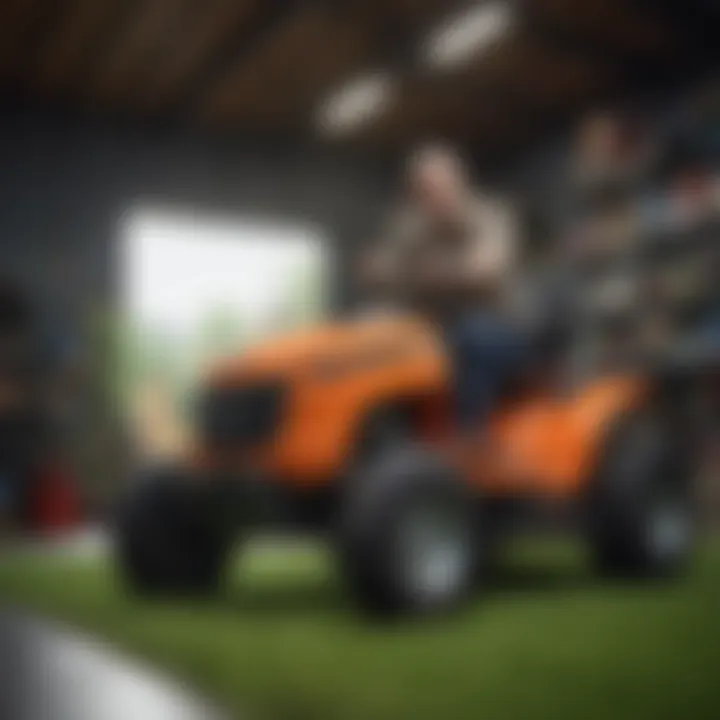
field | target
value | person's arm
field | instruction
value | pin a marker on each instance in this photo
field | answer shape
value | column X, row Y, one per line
column 491, row 254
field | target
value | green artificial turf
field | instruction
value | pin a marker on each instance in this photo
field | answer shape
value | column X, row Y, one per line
column 548, row 641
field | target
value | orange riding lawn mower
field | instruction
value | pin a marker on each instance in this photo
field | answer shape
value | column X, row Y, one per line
column 347, row 429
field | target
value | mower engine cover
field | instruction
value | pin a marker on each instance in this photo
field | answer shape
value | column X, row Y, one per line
column 292, row 407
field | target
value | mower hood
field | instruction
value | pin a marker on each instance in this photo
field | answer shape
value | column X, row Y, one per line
column 330, row 345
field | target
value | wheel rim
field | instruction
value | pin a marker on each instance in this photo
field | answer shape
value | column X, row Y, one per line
column 668, row 529
column 435, row 552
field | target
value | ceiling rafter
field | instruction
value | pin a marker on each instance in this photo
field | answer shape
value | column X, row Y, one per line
column 35, row 38
column 262, row 21
column 268, row 65
column 90, row 63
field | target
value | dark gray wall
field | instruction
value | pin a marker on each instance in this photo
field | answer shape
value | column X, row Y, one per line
column 65, row 184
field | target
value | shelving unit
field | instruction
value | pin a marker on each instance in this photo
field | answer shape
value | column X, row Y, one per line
column 645, row 219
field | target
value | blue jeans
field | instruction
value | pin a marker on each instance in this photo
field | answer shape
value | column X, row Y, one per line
column 486, row 352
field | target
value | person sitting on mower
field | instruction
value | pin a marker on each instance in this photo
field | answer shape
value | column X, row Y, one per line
column 450, row 253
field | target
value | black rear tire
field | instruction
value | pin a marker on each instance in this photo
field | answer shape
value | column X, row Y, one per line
column 382, row 559
column 166, row 543
column 641, row 511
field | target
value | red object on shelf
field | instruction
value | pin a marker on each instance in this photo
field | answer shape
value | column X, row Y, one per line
column 56, row 504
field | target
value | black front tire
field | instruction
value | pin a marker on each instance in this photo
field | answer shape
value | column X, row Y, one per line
column 382, row 559
column 166, row 542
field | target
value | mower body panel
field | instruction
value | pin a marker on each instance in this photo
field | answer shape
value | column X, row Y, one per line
column 555, row 443
column 334, row 377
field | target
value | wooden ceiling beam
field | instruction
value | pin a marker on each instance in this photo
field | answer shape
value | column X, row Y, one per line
column 132, row 57
column 358, row 37
column 66, row 49
column 399, row 27
column 200, row 30
column 17, row 18
column 562, row 34
column 36, row 36
column 265, row 17
column 103, row 41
